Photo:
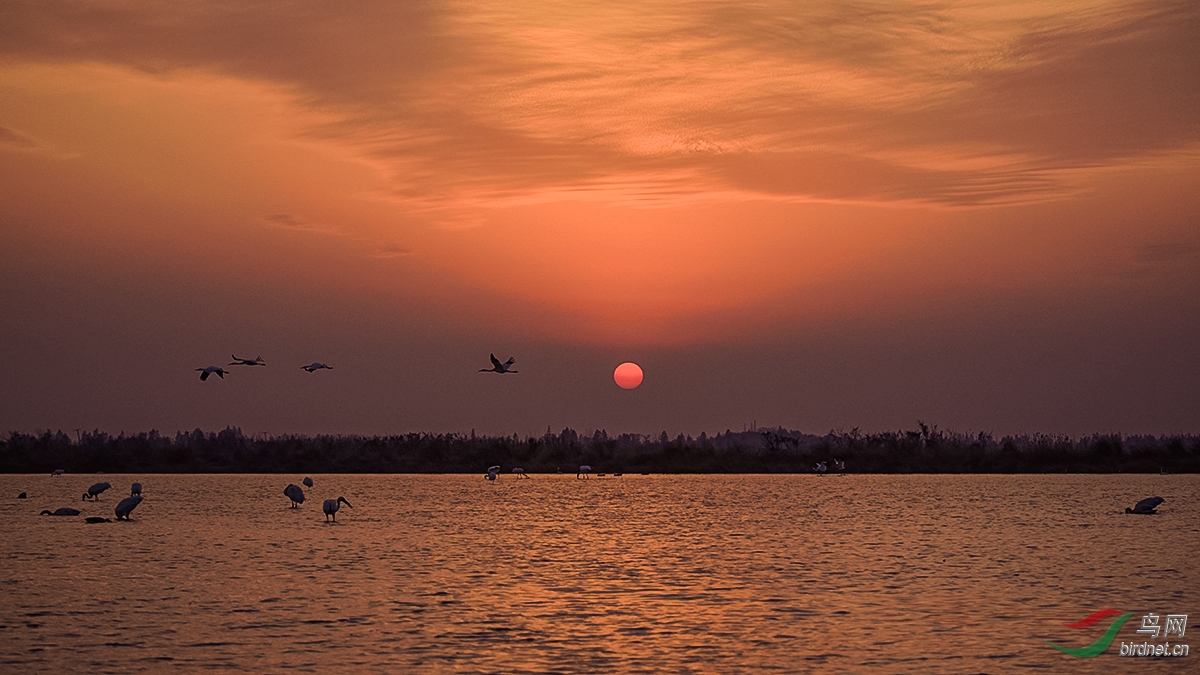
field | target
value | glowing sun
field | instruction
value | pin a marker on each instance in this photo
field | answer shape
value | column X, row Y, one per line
column 628, row 375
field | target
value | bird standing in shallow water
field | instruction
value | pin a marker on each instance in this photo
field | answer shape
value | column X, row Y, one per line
column 498, row 367
column 64, row 511
column 127, row 505
column 307, row 482
column 584, row 470
column 212, row 370
column 94, row 491
column 294, row 493
column 331, row 507
column 1146, row 506
column 135, row 489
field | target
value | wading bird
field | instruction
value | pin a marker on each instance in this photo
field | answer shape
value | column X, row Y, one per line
column 498, row 367
column 64, row 511
column 212, row 370
column 840, row 466
column 331, row 507
column 127, row 506
column 520, row 472
column 294, row 493
column 135, row 489
column 307, row 482
column 493, row 472
column 256, row 361
column 584, row 470
column 94, row 491
column 315, row 366
column 58, row 472
column 1146, row 506
column 820, row 468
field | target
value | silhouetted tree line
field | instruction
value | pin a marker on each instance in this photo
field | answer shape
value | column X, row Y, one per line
column 926, row 449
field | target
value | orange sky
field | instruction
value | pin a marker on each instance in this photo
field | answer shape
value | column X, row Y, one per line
column 819, row 215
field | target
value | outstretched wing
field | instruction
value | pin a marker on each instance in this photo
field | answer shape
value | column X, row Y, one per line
column 509, row 362
column 495, row 361
column 220, row 373
column 203, row 375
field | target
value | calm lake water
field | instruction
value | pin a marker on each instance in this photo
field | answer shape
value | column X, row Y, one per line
column 929, row 574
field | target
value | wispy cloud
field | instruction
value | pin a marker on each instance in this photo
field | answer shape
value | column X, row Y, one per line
column 15, row 139
column 650, row 103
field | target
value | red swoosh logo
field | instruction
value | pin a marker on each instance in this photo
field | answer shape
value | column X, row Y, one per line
column 1092, row 618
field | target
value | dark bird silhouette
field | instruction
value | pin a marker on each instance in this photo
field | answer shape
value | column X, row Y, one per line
column 64, row 511
column 126, row 506
column 294, row 493
column 1145, row 507
column 212, row 370
column 315, row 366
column 97, row 519
column 307, row 482
column 256, row 361
column 331, row 507
column 135, row 489
column 498, row 367
column 22, row 496
column 94, row 491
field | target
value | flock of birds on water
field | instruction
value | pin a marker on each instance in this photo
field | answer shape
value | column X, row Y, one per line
column 295, row 493
column 207, row 371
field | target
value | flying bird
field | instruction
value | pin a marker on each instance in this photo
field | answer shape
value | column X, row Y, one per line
column 840, row 466
column 584, row 470
column 315, row 366
column 294, row 493
column 498, row 367
column 820, row 468
column 1145, row 507
column 94, row 491
column 256, row 361
column 135, row 489
column 331, row 507
column 307, row 482
column 64, row 511
column 212, row 370
column 127, row 505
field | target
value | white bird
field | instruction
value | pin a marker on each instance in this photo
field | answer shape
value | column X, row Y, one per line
column 1146, row 506
column 294, row 493
column 498, row 367
column 64, row 511
column 212, row 370
column 520, row 472
column 331, row 507
column 94, row 491
column 820, row 468
column 135, row 489
column 840, row 466
column 307, row 482
column 584, row 470
column 315, row 366
column 127, row 506
column 256, row 361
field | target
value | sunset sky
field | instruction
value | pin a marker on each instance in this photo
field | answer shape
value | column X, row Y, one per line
column 984, row 215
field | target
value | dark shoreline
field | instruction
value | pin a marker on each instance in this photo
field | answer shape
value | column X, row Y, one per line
column 926, row 450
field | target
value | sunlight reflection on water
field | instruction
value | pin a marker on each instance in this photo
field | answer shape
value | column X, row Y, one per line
column 633, row 574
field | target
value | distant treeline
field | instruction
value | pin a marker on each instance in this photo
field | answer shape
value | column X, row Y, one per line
column 923, row 450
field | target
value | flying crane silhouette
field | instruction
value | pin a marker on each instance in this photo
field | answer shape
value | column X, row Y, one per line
column 212, row 370
column 498, row 367
column 315, row 366
column 256, row 361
